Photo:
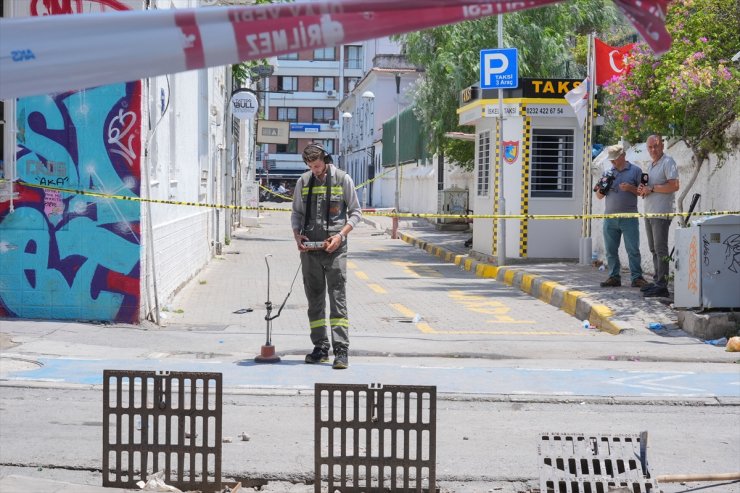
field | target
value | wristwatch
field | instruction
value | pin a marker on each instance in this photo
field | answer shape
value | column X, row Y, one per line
column 342, row 236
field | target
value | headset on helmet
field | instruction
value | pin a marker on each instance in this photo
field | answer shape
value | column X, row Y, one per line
column 315, row 145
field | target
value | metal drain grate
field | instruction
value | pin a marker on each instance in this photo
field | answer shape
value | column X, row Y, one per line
column 376, row 438
column 162, row 421
column 577, row 463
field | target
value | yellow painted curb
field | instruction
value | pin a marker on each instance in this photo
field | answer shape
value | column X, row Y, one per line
column 570, row 300
column 599, row 316
column 527, row 280
column 546, row 290
column 509, row 276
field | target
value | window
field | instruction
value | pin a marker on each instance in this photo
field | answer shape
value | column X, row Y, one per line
column 328, row 144
column 552, row 163
column 484, row 163
column 286, row 83
column 287, row 114
column 290, row 148
column 324, row 54
column 323, row 115
column 351, row 82
column 353, row 57
column 323, row 83
column 288, row 56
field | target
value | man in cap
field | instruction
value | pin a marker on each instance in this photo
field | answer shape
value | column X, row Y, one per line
column 619, row 187
column 325, row 210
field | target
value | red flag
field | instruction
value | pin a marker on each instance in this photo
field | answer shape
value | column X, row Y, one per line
column 609, row 60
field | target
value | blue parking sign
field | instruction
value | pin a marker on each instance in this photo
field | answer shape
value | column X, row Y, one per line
column 499, row 69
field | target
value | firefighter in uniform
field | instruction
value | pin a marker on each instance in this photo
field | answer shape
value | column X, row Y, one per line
column 325, row 210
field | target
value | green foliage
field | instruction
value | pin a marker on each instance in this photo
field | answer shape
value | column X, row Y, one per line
column 460, row 151
column 693, row 90
column 546, row 38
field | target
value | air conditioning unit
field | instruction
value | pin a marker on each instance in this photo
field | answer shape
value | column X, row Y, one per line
column 331, row 93
column 333, row 124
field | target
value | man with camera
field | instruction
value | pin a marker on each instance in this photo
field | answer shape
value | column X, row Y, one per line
column 619, row 187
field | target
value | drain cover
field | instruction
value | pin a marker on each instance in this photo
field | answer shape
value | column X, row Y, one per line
column 376, row 438
column 578, row 463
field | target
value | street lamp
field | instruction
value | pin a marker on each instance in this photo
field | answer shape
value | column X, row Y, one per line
column 394, row 233
column 345, row 116
column 369, row 96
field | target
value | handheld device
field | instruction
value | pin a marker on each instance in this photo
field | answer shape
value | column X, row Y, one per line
column 314, row 245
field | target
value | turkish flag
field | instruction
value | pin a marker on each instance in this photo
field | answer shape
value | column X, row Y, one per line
column 609, row 60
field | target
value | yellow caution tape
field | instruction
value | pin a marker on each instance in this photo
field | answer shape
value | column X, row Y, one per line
column 272, row 192
column 367, row 182
column 390, row 213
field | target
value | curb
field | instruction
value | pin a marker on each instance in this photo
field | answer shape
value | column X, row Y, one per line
column 574, row 303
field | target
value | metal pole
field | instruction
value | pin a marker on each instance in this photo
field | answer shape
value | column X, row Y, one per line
column 394, row 234
column 501, row 257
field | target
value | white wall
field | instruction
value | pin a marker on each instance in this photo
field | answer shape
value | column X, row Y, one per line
column 187, row 161
column 718, row 187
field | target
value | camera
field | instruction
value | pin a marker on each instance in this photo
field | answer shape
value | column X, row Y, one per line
column 644, row 178
column 604, row 183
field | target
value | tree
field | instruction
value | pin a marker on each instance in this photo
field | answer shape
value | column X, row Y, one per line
column 692, row 91
column 546, row 38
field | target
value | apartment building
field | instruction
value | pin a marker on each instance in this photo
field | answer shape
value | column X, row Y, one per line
column 305, row 89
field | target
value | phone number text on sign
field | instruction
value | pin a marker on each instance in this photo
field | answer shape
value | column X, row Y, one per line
column 548, row 110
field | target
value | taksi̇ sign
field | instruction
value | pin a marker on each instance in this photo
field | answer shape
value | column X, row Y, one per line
column 244, row 104
column 499, row 69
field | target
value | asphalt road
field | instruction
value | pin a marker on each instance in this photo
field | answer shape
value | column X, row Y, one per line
column 507, row 368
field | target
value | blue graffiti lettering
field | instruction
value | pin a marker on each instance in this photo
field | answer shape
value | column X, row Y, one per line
column 22, row 55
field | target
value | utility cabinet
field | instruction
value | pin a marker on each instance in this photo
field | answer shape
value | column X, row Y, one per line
column 707, row 264
column 452, row 201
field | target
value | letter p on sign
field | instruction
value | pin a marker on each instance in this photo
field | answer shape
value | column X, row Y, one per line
column 499, row 69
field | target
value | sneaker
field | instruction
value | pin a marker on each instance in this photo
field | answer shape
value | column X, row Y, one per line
column 657, row 292
column 319, row 355
column 639, row 282
column 648, row 287
column 341, row 361
column 612, row 282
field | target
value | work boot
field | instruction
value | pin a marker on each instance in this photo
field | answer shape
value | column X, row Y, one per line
column 647, row 287
column 341, row 361
column 612, row 282
column 319, row 355
column 639, row 283
column 657, row 292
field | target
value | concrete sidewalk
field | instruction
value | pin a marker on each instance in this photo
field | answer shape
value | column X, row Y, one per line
column 568, row 286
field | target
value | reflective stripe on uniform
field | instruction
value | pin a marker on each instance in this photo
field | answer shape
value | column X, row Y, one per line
column 321, row 189
column 340, row 322
column 315, row 324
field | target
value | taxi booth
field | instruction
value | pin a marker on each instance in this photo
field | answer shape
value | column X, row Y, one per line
column 543, row 155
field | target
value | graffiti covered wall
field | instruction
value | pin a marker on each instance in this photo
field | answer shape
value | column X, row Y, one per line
column 69, row 256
